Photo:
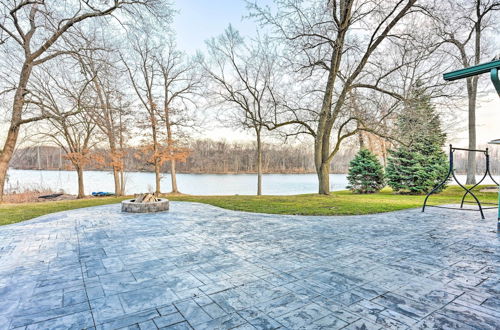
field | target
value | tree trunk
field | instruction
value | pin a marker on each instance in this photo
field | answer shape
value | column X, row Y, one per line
column 324, row 179
column 122, row 160
column 471, row 157
column 384, row 152
column 4, row 166
column 79, row 173
column 116, row 177
column 13, row 133
column 157, row 178
column 325, row 125
column 321, row 158
column 361, row 140
column 116, row 169
column 173, row 176
column 6, row 155
column 170, row 141
column 322, row 164
column 122, row 182
column 321, row 161
column 259, row 164
column 156, row 156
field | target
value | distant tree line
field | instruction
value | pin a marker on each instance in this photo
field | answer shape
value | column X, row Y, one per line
column 205, row 156
column 209, row 156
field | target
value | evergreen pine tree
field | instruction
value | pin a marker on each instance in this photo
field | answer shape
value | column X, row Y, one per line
column 366, row 174
column 419, row 163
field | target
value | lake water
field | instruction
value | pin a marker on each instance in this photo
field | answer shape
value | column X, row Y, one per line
column 196, row 184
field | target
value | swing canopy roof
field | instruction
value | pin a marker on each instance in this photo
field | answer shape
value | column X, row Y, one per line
column 472, row 71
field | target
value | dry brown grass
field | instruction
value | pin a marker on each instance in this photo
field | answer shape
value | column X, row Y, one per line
column 31, row 196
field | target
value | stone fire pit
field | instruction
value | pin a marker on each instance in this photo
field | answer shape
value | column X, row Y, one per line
column 145, row 203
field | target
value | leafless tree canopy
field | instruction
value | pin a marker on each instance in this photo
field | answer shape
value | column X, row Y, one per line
column 33, row 33
column 105, row 82
column 243, row 76
column 335, row 50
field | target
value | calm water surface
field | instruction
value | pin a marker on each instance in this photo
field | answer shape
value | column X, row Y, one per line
column 196, row 184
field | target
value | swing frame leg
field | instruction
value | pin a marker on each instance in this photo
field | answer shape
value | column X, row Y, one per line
column 468, row 191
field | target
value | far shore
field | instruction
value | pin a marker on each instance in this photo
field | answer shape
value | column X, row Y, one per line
column 194, row 173
column 147, row 171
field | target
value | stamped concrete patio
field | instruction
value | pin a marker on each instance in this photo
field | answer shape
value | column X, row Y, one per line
column 202, row 267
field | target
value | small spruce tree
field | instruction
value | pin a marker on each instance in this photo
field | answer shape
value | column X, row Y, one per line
column 366, row 174
column 418, row 163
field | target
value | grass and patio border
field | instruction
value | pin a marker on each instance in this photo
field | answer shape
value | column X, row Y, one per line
column 338, row 203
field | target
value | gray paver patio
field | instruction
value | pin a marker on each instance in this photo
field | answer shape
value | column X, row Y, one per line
column 202, row 267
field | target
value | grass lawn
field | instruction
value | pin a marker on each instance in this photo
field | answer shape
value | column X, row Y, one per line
column 11, row 213
column 338, row 203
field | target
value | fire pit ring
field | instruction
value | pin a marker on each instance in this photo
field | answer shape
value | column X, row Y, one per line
column 132, row 206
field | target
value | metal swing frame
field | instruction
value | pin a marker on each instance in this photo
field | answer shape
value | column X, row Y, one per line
column 468, row 191
column 493, row 68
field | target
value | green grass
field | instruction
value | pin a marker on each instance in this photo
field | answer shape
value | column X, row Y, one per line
column 12, row 213
column 338, row 203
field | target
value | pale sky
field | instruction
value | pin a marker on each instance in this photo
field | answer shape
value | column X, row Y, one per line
column 200, row 20
column 487, row 117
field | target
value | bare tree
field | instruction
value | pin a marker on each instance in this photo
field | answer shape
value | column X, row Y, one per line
column 332, row 44
column 143, row 71
column 181, row 82
column 244, row 77
column 107, row 106
column 70, row 126
column 33, row 31
column 464, row 26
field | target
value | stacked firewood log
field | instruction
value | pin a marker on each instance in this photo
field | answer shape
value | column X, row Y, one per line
column 146, row 198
